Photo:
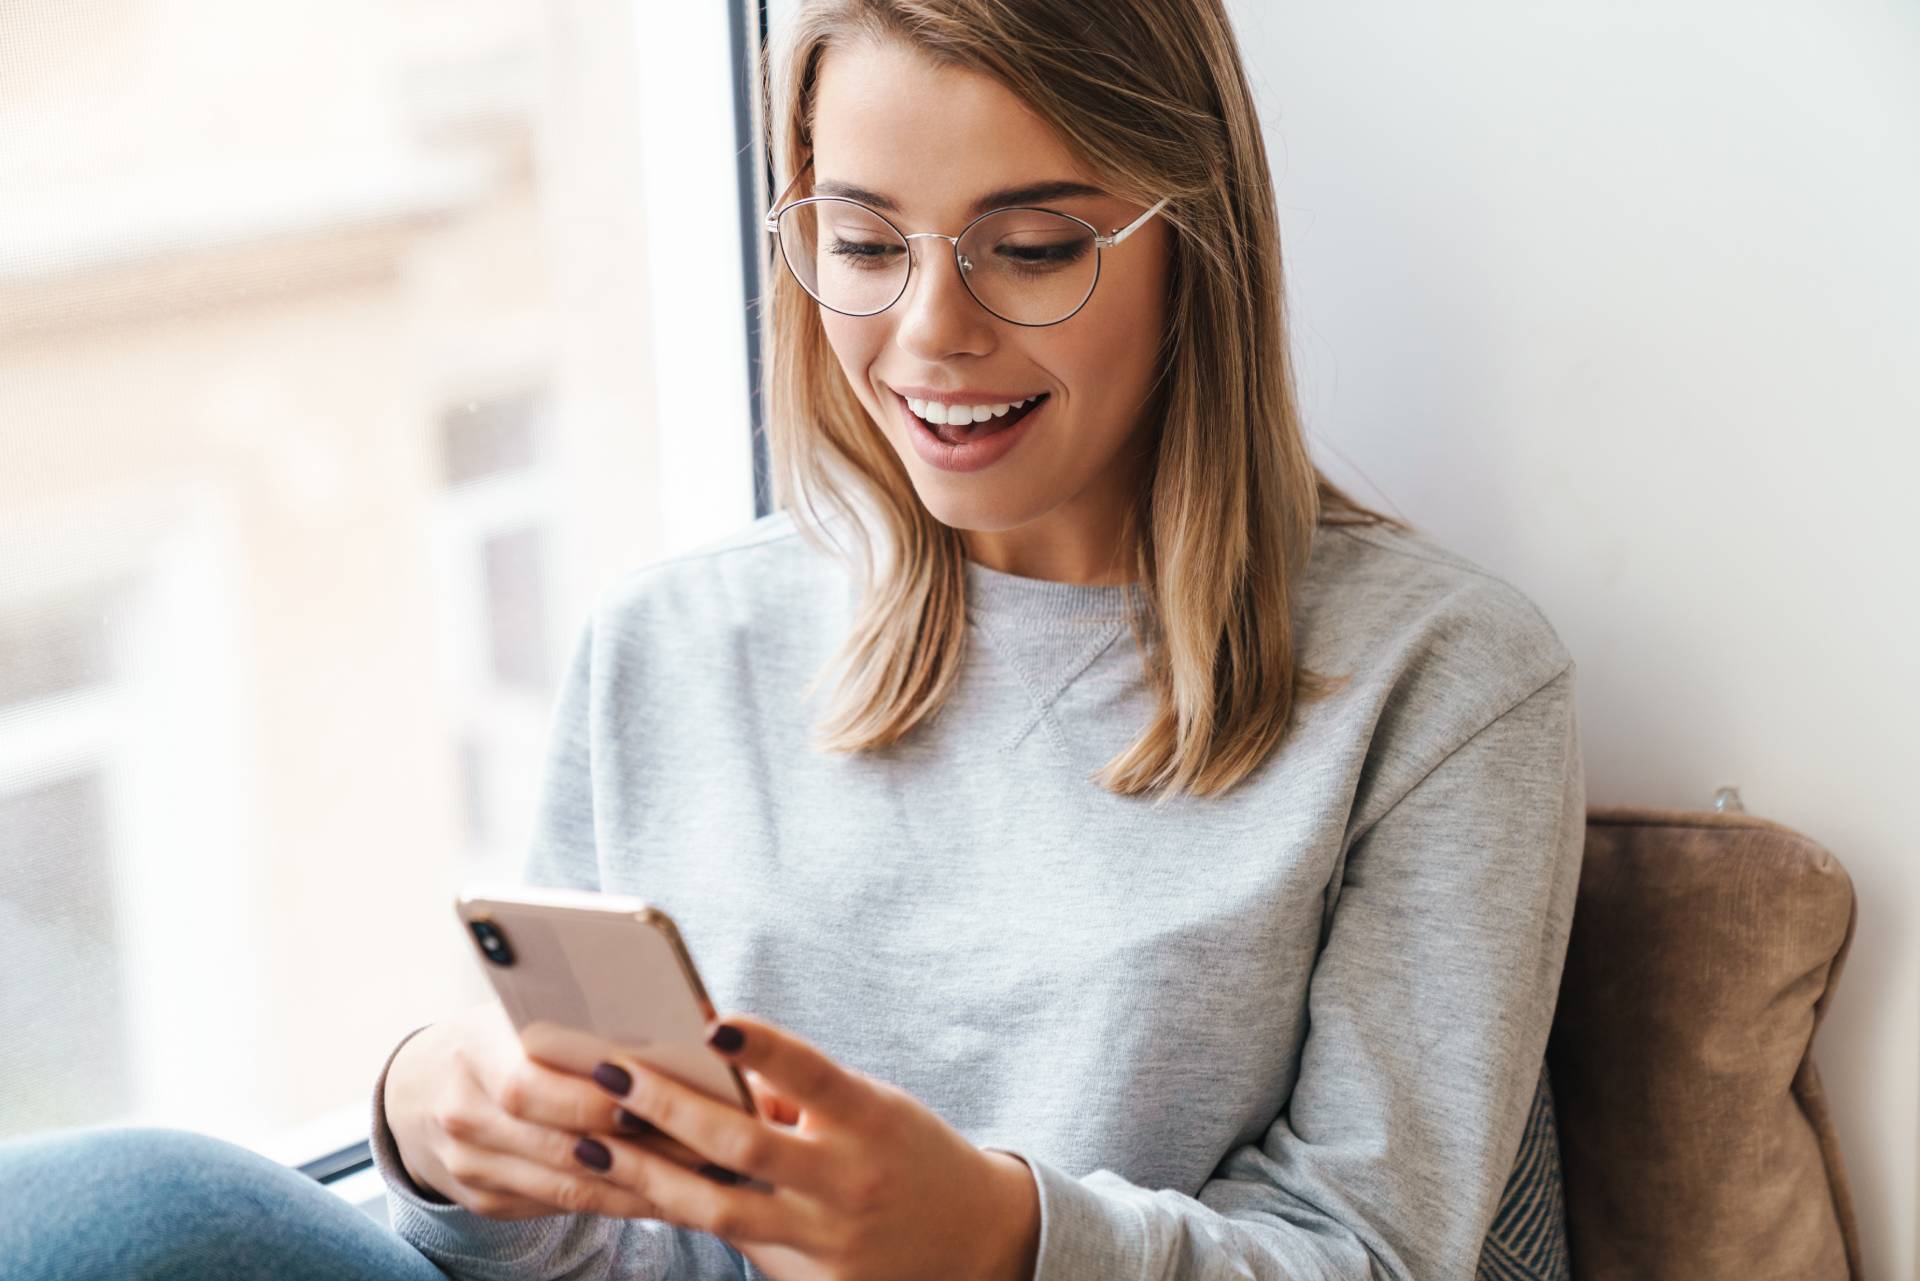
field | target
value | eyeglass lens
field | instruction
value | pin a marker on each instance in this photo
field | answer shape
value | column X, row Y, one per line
column 1029, row 266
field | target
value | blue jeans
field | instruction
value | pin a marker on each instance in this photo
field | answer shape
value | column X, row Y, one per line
column 172, row 1205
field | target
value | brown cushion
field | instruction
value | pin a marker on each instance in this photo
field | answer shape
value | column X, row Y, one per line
column 1694, row 1134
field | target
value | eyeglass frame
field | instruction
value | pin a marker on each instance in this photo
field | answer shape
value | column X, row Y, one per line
column 1101, row 240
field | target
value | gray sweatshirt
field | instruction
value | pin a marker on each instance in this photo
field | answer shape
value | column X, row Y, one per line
column 1293, row 1032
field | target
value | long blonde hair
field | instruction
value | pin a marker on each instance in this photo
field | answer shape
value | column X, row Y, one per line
column 1151, row 94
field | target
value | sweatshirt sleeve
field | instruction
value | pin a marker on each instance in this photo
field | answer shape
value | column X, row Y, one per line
column 577, row 1247
column 1430, row 1005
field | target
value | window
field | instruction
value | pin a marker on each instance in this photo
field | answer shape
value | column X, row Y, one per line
column 496, row 555
column 345, row 355
column 59, row 931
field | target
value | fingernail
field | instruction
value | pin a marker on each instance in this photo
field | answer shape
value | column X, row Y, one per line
column 613, row 1077
column 638, row 1124
column 727, row 1038
column 719, row 1173
column 593, row 1153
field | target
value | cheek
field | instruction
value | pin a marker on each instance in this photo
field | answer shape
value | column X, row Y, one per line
column 856, row 344
column 1123, row 342
column 1129, row 307
column 1108, row 361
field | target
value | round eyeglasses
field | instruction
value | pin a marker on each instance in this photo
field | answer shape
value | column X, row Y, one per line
column 1026, row 265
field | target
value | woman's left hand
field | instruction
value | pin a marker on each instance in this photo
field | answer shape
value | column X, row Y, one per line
column 866, row 1182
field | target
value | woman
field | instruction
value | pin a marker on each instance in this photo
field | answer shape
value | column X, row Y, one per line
column 1175, row 878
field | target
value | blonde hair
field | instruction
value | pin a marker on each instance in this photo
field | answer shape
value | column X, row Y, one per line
column 1152, row 95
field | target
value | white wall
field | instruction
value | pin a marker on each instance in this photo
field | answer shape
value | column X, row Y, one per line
column 1621, row 302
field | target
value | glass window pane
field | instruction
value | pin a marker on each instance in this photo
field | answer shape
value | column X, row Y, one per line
column 484, row 438
column 64, row 1058
column 516, row 609
column 329, row 401
column 60, row 645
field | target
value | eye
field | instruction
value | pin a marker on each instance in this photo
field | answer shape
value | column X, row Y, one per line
column 1031, row 258
column 862, row 252
column 1066, row 252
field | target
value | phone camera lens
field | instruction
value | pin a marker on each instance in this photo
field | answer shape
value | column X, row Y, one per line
column 493, row 944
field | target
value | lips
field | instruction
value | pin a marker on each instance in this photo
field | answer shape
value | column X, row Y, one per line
column 979, row 447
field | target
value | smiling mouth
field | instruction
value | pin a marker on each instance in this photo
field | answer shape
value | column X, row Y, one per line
column 965, row 433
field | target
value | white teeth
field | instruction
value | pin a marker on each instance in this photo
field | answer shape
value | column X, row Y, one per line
column 940, row 412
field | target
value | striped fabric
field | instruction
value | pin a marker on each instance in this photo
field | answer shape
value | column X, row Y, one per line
column 1528, row 1240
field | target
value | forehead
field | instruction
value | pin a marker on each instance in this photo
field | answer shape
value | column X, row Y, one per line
column 890, row 119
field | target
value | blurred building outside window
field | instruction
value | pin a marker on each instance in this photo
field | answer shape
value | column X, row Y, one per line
column 346, row 354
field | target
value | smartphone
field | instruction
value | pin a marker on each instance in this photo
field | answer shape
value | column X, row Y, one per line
column 579, row 971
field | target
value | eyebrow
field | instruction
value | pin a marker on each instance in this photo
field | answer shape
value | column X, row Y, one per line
column 1031, row 193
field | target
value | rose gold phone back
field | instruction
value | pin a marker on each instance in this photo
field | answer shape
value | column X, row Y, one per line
column 592, row 971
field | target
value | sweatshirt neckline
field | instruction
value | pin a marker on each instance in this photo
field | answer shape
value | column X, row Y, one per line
column 995, row 594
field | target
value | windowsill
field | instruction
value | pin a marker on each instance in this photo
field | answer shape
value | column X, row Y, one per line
column 312, row 1139
column 324, row 1136
column 365, row 1191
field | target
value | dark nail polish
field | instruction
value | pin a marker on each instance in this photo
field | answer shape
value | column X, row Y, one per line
column 638, row 1124
column 719, row 1173
column 613, row 1077
column 727, row 1038
column 594, row 1153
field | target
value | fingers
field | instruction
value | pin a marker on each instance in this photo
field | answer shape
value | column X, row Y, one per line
column 528, row 1089
column 511, row 1127
column 720, row 1132
column 507, row 1167
column 733, row 1211
column 804, row 1075
column 502, row 1166
column 545, row 1097
column 501, row 1185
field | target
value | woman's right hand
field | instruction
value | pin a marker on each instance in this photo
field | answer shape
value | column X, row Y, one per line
column 481, row 1124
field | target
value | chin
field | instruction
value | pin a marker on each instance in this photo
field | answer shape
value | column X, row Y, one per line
column 972, row 503
column 974, row 513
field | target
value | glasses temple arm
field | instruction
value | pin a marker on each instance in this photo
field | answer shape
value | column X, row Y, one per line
column 1135, row 225
column 772, row 214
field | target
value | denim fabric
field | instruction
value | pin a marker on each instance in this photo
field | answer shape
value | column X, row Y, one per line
column 143, row 1204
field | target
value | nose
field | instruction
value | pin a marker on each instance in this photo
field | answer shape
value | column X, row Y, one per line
column 938, row 318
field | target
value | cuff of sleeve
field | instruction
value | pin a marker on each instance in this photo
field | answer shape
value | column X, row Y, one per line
column 444, row 1230
column 1083, row 1233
